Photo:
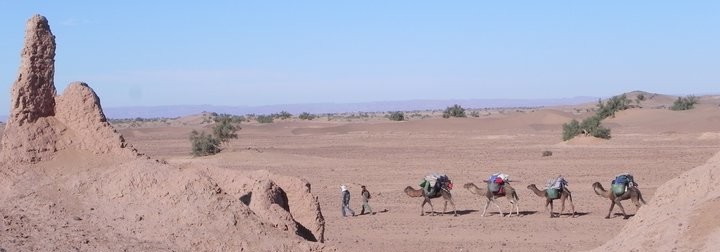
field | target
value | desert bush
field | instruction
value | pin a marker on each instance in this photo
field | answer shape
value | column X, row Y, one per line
column 571, row 129
column 204, row 144
column 591, row 127
column 612, row 105
column 282, row 115
column 396, row 116
column 454, row 111
column 641, row 97
column 546, row 153
column 684, row 103
column 306, row 116
column 232, row 118
column 475, row 114
column 224, row 130
column 264, row 119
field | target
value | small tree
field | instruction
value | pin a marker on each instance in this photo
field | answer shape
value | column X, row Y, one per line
column 264, row 119
column 204, row 144
column 224, row 130
column 306, row 116
column 454, row 111
column 684, row 103
column 282, row 115
column 396, row 116
column 571, row 129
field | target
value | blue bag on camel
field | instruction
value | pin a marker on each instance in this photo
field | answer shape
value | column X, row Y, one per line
column 620, row 184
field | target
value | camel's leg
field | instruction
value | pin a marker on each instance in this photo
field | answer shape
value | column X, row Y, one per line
column 517, row 206
column 487, row 204
column 444, row 208
column 512, row 204
column 547, row 202
column 498, row 206
column 612, row 205
column 572, row 206
column 432, row 208
column 636, row 201
column 452, row 202
column 551, row 208
column 625, row 216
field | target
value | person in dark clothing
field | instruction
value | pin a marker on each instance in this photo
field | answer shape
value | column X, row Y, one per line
column 365, row 197
column 346, row 202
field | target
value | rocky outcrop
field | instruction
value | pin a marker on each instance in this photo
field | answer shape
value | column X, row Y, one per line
column 79, row 109
column 40, row 124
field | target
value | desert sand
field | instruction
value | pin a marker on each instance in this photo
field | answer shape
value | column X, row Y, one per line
column 656, row 145
column 97, row 191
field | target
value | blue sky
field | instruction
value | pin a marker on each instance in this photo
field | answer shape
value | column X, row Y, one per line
column 146, row 53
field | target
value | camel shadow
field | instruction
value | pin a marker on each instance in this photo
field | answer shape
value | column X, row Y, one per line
column 459, row 212
column 621, row 215
column 577, row 214
column 464, row 212
column 522, row 213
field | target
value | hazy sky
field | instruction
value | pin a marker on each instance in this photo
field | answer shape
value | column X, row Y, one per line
column 284, row 52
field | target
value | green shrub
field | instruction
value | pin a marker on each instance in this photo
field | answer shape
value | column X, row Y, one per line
column 475, row 114
column 684, row 103
column 264, row 119
column 454, row 111
column 204, row 144
column 306, row 116
column 396, row 116
column 282, row 115
column 591, row 126
column 612, row 105
column 224, row 130
column 571, row 129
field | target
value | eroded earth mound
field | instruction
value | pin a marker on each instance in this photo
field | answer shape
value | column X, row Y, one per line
column 69, row 181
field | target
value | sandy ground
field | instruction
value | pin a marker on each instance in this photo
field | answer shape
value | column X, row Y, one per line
column 654, row 144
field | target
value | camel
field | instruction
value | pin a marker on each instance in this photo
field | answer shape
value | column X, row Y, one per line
column 632, row 193
column 564, row 194
column 509, row 191
column 444, row 193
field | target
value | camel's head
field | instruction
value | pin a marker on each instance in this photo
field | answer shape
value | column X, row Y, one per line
column 597, row 185
column 468, row 185
column 531, row 186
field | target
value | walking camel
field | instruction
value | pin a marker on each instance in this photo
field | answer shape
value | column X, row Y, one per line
column 632, row 193
column 491, row 197
column 564, row 194
column 444, row 193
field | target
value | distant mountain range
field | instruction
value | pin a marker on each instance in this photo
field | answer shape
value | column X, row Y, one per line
column 321, row 108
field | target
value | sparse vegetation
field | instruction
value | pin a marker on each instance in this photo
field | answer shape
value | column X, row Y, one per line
column 546, row 153
column 204, row 144
column 232, row 118
column 612, row 105
column 475, row 114
column 571, row 129
column 396, row 116
column 208, row 144
column 283, row 115
column 264, row 119
column 591, row 126
column 684, row 103
column 224, row 129
column 307, row 116
column 454, row 111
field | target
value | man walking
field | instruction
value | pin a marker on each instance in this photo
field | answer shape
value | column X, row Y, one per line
column 365, row 197
column 346, row 201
